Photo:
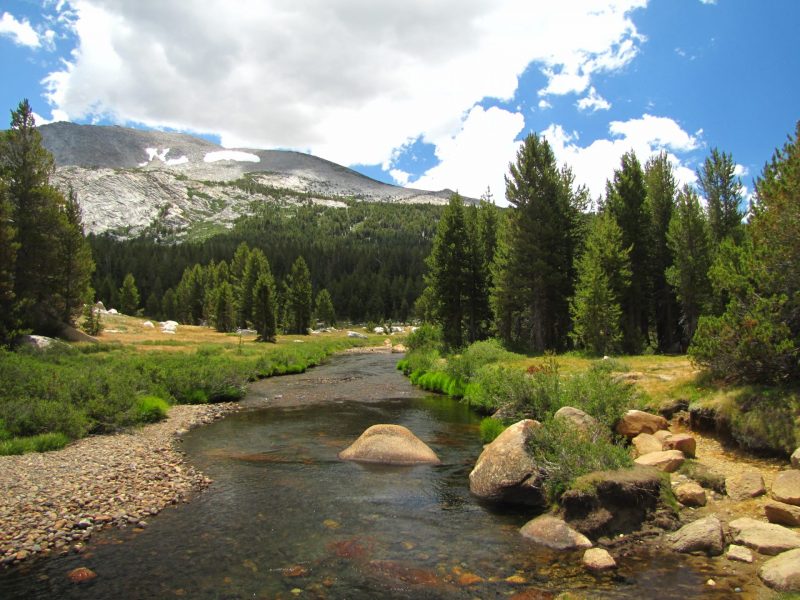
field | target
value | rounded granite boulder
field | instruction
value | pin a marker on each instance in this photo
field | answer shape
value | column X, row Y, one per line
column 390, row 445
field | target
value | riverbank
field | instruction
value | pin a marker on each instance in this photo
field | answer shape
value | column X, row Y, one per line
column 53, row 502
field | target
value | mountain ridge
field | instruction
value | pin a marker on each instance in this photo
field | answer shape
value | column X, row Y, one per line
column 129, row 181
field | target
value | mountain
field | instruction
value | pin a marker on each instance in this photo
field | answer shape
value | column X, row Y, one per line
column 129, row 181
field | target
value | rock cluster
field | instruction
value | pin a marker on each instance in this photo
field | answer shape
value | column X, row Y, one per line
column 53, row 502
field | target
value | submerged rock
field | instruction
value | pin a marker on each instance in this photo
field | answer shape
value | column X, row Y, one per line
column 505, row 471
column 81, row 574
column 554, row 533
column 703, row 535
column 390, row 444
column 598, row 559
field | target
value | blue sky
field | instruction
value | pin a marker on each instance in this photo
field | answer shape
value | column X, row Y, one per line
column 431, row 95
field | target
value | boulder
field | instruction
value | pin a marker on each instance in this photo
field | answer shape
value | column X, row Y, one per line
column 505, row 471
column 576, row 417
column 795, row 459
column 782, row 573
column 607, row 503
column 399, row 349
column 598, row 559
column 782, row 514
column 661, row 435
column 681, row 441
column 551, row 532
column 390, row 444
column 71, row 334
column 667, row 461
column 691, row 494
column 113, row 311
column 148, row 325
column 357, row 335
column 37, row 342
column 635, row 422
column 739, row 553
column 100, row 306
column 646, row 443
column 766, row 538
column 749, row 484
column 786, row 487
column 703, row 535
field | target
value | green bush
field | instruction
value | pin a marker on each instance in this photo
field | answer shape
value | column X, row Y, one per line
column 564, row 453
column 597, row 393
column 465, row 366
column 149, row 409
column 765, row 419
column 426, row 337
column 44, row 442
column 490, row 428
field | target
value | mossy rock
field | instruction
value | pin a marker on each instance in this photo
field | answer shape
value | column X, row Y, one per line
column 607, row 503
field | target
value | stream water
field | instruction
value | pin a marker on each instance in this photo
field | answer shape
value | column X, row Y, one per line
column 285, row 518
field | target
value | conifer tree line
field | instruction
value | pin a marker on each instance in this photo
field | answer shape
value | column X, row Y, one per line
column 45, row 261
column 636, row 274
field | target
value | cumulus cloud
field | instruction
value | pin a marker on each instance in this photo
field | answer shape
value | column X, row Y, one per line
column 349, row 80
column 594, row 163
column 478, row 155
column 593, row 102
column 20, row 32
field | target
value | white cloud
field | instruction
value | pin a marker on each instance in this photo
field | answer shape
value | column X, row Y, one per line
column 477, row 156
column 20, row 32
column 544, row 104
column 593, row 102
column 595, row 163
column 400, row 177
column 347, row 80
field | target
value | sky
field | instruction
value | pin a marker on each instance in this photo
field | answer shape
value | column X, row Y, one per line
column 431, row 94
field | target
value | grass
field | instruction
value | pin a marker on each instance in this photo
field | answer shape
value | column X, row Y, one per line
column 133, row 376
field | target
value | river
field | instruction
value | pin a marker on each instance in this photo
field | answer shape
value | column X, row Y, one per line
column 285, row 518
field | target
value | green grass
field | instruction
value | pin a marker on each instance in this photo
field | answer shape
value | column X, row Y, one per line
column 68, row 393
column 490, row 428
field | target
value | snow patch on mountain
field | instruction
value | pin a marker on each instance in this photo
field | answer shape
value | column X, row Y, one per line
column 236, row 155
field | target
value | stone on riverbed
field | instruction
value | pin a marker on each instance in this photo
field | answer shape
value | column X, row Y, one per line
column 765, row 538
column 391, row 445
column 703, row 535
column 646, row 443
column 554, row 533
column 683, row 442
column 635, row 422
column 505, row 471
column 782, row 573
column 668, row 461
column 786, row 487
column 749, row 484
column 691, row 494
column 598, row 559
column 782, row 514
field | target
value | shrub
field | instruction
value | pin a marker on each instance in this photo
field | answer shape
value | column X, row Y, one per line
column 149, row 409
column 465, row 366
column 44, row 442
column 564, row 453
column 425, row 337
column 596, row 392
column 490, row 429
column 765, row 420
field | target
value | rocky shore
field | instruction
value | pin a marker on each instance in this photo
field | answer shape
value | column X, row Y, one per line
column 54, row 502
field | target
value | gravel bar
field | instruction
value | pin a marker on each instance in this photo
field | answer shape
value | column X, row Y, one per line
column 53, row 502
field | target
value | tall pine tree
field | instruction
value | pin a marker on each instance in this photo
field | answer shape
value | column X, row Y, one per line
column 75, row 264
column 722, row 190
column 299, row 297
column 534, row 272
column 625, row 200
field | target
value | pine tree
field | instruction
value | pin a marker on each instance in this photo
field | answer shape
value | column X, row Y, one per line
column 152, row 308
column 662, row 190
column 722, row 190
column 324, row 308
column 534, row 272
column 224, row 310
column 299, row 297
column 256, row 266
column 625, row 199
column 690, row 241
column 9, row 321
column 75, row 265
column 264, row 308
column 129, row 296
column 478, row 314
column 603, row 276
column 448, row 273
column 169, row 307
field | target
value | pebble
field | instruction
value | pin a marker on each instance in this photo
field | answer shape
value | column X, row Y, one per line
column 57, row 500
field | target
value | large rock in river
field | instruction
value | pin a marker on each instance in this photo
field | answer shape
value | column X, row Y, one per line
column 554, row 533
column 703, row 535
column 505, row 471
column 391, row 445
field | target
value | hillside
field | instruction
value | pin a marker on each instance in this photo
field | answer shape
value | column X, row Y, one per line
column 128, row 180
